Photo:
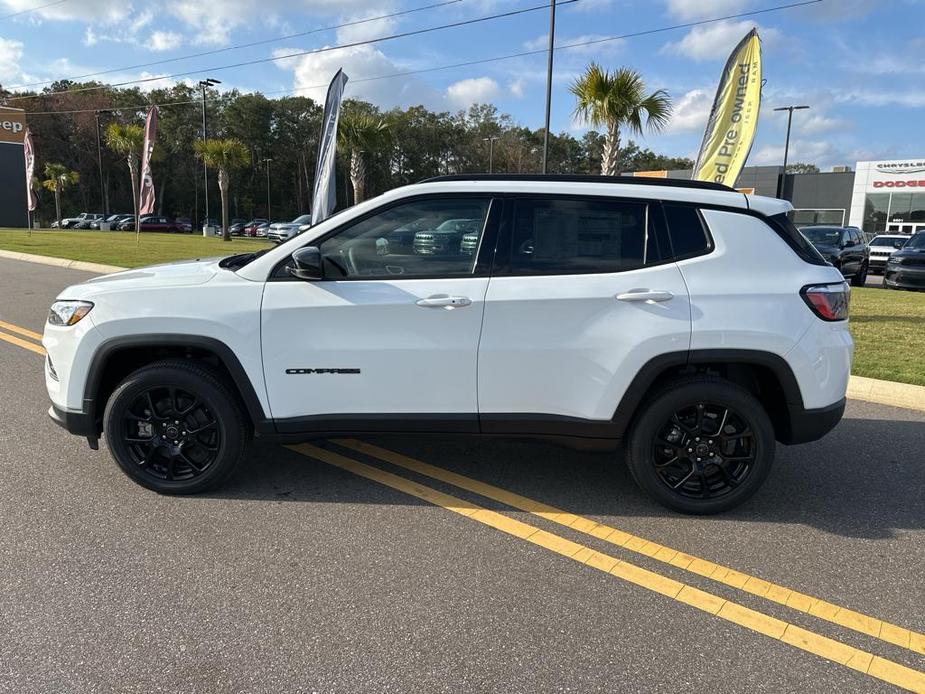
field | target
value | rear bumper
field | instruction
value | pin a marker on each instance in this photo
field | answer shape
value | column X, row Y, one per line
column 811, row 425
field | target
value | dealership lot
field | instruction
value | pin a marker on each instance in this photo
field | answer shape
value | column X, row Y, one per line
column 343, row 567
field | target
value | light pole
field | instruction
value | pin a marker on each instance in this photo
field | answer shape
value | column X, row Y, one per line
column 267, row 162
column 790, row 110
column 552, row 37
column 203, row 85
column 99, row 161
column 491, row 150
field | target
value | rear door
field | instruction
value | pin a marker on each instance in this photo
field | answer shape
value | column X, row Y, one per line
column 580, row 299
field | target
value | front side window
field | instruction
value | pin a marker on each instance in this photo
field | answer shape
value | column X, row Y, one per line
column 435, row 237
column 564, row 236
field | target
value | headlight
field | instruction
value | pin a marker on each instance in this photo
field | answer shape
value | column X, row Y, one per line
column 68, row 312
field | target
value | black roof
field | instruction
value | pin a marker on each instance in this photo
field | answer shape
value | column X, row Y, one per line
column 584, row 178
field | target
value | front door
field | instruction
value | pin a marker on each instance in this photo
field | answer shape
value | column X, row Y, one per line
column 389, row 337
column 580, row 302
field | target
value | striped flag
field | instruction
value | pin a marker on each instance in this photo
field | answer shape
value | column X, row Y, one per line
column 324, row 198
column 29, row 152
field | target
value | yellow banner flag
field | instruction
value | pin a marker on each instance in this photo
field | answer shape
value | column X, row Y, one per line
column 734, row 118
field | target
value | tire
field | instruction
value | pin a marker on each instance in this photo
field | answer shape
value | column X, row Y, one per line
column 182, row 399
column 723, row 478
column 860, row 279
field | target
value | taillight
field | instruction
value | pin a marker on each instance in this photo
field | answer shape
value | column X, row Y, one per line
column 828, row 301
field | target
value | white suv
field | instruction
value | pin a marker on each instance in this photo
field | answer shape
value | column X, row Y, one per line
column 691, row 321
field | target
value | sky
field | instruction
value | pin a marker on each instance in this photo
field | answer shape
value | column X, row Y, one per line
column 859, row 64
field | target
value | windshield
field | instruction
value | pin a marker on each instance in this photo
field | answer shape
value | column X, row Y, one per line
column 827, row 236
column 302, row 219
column 917, row 241
column 889, row 241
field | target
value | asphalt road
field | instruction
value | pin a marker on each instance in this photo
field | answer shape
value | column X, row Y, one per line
column 302, row 575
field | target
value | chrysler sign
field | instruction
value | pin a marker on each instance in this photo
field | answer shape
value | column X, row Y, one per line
column 901, row 167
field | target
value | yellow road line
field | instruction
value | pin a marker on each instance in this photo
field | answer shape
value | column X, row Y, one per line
column 19, row 342
column 841, row 616
column 758, row 622
column 10, row 327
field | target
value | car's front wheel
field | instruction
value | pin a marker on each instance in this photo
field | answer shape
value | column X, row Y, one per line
column 701, row 445
column 176, row 427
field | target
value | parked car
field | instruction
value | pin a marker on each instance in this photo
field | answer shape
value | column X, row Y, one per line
column 283, row 231
column 844, row 247
column 236, row 227
column 446, row 238
column 83, row 217
column 882, row 247
column 906, row 267
column 689, row 320
column 184, row 224
column 158, row 223
column 85, row 222
column 127, row 223
column 250, row 229
column 214, row 223
column 261, row 229
column 112, row 220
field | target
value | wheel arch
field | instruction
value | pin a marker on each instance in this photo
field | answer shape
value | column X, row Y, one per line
column 118, row 357
column 767, row 375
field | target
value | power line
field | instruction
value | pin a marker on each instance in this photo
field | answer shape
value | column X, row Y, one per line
column 32, row 9
column 285, row 37
column 316, row 51
column 468, row 63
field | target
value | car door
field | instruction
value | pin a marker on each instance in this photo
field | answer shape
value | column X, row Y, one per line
column 389, row 338
column 580, row 301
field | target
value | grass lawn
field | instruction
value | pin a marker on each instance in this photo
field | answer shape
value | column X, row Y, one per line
column 889, row 334
column 119, row 247
column 888, row 326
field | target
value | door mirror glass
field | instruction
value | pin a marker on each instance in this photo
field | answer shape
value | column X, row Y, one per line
column 306, row 264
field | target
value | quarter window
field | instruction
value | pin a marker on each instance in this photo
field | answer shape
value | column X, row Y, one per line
column 424, row 238
column 686, row 229
column 565, row 236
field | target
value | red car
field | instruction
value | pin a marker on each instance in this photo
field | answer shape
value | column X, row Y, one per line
column 155, row 223
column 250, row 229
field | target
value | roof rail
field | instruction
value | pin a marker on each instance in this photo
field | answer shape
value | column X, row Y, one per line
column 585, row 178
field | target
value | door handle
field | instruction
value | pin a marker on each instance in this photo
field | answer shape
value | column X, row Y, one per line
column 444, row 301
column 645, row 295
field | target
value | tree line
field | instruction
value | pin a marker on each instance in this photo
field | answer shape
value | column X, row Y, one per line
column 378, row 149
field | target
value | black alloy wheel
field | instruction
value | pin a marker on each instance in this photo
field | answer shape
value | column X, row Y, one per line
column 176, row 427
column 701, row 445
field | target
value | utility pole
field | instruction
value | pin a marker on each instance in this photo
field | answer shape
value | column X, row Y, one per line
column 267, row 162
column 790, row 110
column 203, row 85
column 552, row 38
column 99, row 161
column 491, row 150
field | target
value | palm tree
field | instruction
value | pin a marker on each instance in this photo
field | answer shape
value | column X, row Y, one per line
column 128, row 140
column 57, row 179
column 226, row 156
column 617, row 99
column 361, row 133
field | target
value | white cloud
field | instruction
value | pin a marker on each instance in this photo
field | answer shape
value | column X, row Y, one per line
column 701, row 9
column 368, row 29
column 691, row 112
column 10, row 55
column 475, row 90
column 820, row 123
column 90, row 37
column 517, row 88
column 107, row 11
column 164, row 41
column 313, row 72
column 713, row 41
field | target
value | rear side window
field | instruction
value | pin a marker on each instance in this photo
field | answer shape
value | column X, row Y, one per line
column 786, row 229
column 569, row 236
column 687, row 231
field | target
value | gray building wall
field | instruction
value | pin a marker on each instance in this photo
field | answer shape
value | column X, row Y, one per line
column 820, row 191
column 764, row 179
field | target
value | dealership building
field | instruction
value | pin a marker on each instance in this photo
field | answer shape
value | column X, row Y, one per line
column 878, row 196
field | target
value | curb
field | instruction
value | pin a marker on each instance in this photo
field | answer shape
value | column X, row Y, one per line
column 873, row 390
column 61, row 262
column 887, row 393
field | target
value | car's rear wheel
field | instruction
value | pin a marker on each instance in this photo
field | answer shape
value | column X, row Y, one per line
column 860, row 279
column 701, row 445
column 176, row 427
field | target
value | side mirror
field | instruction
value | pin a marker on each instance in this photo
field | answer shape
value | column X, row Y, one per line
column 306, row 264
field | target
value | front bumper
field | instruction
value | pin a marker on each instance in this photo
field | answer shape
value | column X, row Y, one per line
column 905, row 276
column 77, row 423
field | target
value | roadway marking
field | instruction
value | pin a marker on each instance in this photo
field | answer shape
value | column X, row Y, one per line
column 870, row 626
column 758, row 622
column 9, row 327
column 19, row 342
